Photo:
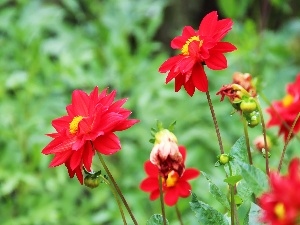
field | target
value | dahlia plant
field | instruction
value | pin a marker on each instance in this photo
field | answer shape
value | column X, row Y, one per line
column 255, row 195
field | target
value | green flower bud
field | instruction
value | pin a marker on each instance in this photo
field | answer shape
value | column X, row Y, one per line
column 254, row 119
column 224, row 158
column 248, row 106
column 91, row 181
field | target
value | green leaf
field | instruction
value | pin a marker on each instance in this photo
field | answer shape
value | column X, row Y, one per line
column 206, row 214
column 244, row 191
column 239, row 150
column 233, row 179
column 255, row 178
column 216, row 192
column 156, row 219
column 253, row 216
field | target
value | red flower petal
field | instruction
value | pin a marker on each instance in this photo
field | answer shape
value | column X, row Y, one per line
column 224, row 47
column 222, row 28
column 186, row 64
column 88, row 156
column 188, row 32
column 75, row 159
column 182, row 150
column 107, row 144
column 199, row 78
column 190, row 173
column 216, row 61
column 189, row 87
column 179, row 81
column 171, row 196
column 60, row 158
column 149, row 184
column 154, row 195
column 79, row 102
column 169, row 63
column 59, row 144
column 208, row 24
column 184, row 188
column 151, row 169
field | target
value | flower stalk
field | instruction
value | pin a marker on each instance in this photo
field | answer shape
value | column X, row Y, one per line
column 215, row 121
column 116, row 197
column 265, row 136
column 162, row 200
column 287, row 141
column 117, row 188
column 245, row 124
column 178, row 215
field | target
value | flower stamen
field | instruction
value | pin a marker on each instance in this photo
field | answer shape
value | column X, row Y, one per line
column 279, row 211
column 185, row 47
column 172, row 179
column 287, row 100
column 73, row 128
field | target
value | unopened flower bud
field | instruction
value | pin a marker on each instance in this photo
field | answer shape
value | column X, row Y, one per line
column 248, row 105
column 165, row 153
column 91, row 181
column 260, row 143
column 224, row 158
column 254, row 119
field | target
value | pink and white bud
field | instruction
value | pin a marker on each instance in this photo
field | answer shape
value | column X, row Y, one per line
column 165, row 153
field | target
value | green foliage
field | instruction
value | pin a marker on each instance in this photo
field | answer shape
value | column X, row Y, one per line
column 216, row 192
column 253, row 216
column 206, row 214
column 232, row 180
column 156, row 219
column 255, row 178
column 50, row 48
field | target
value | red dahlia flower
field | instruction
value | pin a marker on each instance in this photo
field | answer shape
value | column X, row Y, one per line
column 284, row 112
column 90, row 124
column 174, row 186
column 281, row 205
column 198, row 48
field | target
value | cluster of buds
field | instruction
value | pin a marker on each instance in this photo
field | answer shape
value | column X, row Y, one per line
column 242, row 101
column 166, row 156
column 246, row 81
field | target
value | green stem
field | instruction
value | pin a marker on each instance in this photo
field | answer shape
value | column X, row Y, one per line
column 287, row 141
column 232, row 202
column 265, row 136
column 215, row 121
column 116, row 197
column 178, row 215
column 162, row 200
column 247, row 139
column 117, row 188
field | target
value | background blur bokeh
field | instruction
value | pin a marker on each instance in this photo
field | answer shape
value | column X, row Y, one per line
column 49, row 48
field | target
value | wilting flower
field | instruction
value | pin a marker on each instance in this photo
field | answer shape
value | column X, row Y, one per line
column 90, row 125
column 284, row 112
column 281, row 204
column 198, row 48
column 259, row 142
column 174, row 185
column 235, row 93
column 246, row 81
column 165, row 153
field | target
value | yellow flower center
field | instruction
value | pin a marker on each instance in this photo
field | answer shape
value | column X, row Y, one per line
column 74, row 124
column 185, row 47
column 172, row 179
column 287, row 100
column 279, row 211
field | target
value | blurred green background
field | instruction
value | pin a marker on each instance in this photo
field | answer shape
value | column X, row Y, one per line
column 49, row 48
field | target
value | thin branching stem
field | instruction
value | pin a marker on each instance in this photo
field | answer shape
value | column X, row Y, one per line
column 116, row 197
column 232, row 201
column 162, row 204
column 265, row 135
column 178, row 215
column 117, row 188
column 245, row 123
column 287, row 141
column 215, row 121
